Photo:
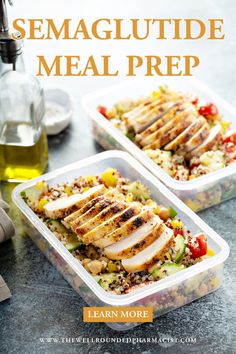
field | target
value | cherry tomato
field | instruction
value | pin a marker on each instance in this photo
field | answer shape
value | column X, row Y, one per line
column 178, row 232
column 209, row 110
column 193, row 165
column 195, row 101
column 102, row 110
column 230, row 139
column 198, row 248
column 230, row 148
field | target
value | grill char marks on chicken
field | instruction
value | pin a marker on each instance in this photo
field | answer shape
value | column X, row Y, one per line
column 140, row 122
column 70, row 218
column 110, row 211
column 169, row 131
column 126, row 229
column 136, row 241
column 122, row 230
column 147, row 257
column 209, row 143
column 186, row 135
column 109, row 225
column 195, row 141
column 91, row 213
column 140, row 138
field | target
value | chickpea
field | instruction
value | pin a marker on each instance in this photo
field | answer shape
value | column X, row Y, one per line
column 95, row 267
column 85, row 263
column 164, row 213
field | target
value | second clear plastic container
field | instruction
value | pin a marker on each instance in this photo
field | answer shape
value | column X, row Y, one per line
column 200, row 193
column 164, row 295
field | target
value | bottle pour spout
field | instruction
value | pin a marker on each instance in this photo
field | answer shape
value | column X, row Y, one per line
column 3, row 16
column 9, row 48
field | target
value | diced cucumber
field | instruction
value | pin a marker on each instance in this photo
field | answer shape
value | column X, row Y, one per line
column 172, row 211
column 166, row 270
column 31, row 194
column 73, row 243
column 130, row 135
column 56, row 225
column 106, row 279
column 138, row 190
column 180, row 246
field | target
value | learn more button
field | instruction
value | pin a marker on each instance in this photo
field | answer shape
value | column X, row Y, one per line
column 118, row 314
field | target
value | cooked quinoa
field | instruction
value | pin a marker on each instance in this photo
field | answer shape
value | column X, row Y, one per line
column 196, row 140
column 110, row 273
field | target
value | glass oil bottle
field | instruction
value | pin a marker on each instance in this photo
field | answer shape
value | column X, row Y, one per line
column 23, row 140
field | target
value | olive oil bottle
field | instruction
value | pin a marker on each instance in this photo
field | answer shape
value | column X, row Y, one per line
column 23, row 140
column 27, row 158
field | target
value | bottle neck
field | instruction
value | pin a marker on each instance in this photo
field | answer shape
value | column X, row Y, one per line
column 18, row 66
column 3, row 17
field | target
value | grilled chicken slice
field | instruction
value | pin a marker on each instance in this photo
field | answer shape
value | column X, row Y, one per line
column 137, row 241
column 196, row 140
column 211, row 141
column 126, row 229
column 101, row 217
column 63, row 206
column 111, row 224
column 144, row 259
column 186, row 135
column 139, row 138
column 72, row 217
column 91, row 213
column 149, row 118
column 110, row 194
column 178, row 118
column 171, row 130
column 141, row 109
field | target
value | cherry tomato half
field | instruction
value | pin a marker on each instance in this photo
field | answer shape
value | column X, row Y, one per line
column 178, row 231
column 209, row 110
column 102, row 110
column 195, row 101
column 230, row 139
column 199, row 247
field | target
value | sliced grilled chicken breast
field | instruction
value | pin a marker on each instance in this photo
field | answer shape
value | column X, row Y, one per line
column 72, row 217
column 91, row 213
column 126, row 229
column 211, row 141
column 186, row 135
column 110, row 194
column 104, row 215
column 111, row 224
column 63, row 206
column 149, row 118
column 196, row 140
column 141, row 109
column 178, row 118
column 144, row 259
column 137, row 241
column 176, row 127
column 159, row 123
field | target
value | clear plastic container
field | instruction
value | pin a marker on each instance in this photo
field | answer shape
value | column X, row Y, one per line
column 164, row 295
column 200, row 193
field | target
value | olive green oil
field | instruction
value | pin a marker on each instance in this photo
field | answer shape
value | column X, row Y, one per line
column 23, row 152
